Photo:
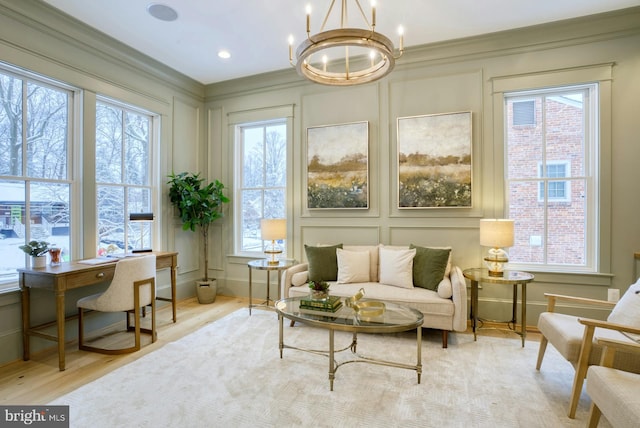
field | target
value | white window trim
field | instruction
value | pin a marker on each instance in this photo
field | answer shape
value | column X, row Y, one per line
column 261, row 115
column 74, row 151
column 154, row 139
column 599, row 242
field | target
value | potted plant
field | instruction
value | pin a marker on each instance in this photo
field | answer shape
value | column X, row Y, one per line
column 198, row 206
column 319, row 289
column 38, row 252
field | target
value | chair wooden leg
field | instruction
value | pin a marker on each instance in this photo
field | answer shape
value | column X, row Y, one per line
column 136, row 334
column 445, row 338
column 541, row 351
column 154, row 334
column 136, row 311
column 80, row 328
column 594, row 416
column 136, row 328
column 581, row 369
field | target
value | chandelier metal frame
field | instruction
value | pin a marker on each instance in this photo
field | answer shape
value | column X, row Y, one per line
column 380, row 63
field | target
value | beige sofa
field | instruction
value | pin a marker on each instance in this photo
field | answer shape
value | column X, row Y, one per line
column 444, row 309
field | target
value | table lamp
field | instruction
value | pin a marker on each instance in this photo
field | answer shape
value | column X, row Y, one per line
column 141, row 218
column 273, row 229
column 496, row 233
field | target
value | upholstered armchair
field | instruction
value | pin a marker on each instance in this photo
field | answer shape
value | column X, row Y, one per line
column 614, row 393
column 132, row 288
column 574, row 337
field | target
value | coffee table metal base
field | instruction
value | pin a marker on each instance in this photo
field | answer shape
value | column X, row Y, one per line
column 334, row 365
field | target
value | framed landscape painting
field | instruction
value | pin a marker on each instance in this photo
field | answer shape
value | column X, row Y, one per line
column 338, row 166
column 434, row 161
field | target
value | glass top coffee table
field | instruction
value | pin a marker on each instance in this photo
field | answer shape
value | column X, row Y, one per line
column 395, row 318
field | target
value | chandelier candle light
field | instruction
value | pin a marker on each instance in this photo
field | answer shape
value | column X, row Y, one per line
column 496, row 233
column 273, row 229
column 367, row 56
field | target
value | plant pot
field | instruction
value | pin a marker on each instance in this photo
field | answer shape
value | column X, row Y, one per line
column 319, row 294
column 39, row 261
column 206, row 291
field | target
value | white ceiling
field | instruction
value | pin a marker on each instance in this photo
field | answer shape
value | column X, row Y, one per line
column 256, row 31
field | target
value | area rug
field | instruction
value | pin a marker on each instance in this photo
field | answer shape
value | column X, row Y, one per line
column 229, row 374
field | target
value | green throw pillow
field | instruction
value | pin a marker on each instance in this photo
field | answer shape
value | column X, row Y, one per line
column 429, row 266
column 323, row 262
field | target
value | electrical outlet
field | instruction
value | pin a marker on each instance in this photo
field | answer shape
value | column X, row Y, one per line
column 613, row 294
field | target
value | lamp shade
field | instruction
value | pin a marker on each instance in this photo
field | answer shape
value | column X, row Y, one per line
column 496, row 233
column 273, row 229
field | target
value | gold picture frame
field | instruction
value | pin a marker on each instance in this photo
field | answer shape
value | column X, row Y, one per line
column 338, row 166
column 434, row 161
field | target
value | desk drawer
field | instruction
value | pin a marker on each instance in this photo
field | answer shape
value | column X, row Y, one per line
column 80, row 279
column 164, row 262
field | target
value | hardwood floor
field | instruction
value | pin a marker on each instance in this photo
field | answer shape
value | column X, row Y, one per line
column 39, row 381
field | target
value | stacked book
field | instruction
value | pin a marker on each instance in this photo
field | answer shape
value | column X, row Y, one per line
column 330, row 304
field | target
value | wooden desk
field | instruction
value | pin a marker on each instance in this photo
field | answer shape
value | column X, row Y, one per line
column 68, row 276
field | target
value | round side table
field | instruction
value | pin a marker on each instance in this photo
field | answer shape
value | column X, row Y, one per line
column 509, row 277
column 263, row 264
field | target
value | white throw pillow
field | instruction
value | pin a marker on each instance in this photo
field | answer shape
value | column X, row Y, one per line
column 299, row 278
column 445, row 289
column 627, row 310
column 373, row 258
column 396, row 267
column 353, row 266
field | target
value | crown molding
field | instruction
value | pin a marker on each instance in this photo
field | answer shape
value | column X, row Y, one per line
column 79, row 44
column 558, row 34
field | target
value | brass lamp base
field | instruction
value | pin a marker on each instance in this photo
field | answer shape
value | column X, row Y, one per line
column 273, row 261
column 495, row 265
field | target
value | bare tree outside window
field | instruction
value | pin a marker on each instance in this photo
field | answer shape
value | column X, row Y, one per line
column 123, row 176
column 34, row 168
column 263, row 177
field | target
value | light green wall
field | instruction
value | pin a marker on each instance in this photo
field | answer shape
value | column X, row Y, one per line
column 462, row 75
column 37, row 38
column 445, row 77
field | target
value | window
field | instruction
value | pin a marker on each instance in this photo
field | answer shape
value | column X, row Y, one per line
column 557, row 190
column 550, row 169
column 123, row 176
column 35, row 157
column 524, row 113
column 261, row 159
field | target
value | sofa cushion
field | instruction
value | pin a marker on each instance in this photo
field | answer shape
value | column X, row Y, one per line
column 323, row 262
column 437, row 312
column 565, row 333
column 445, row 288
column 396, row 267
column 300, row 278
column 353, row 266
column 429, row 266
column 617, row 394
column 373, row 258
column 627, row 310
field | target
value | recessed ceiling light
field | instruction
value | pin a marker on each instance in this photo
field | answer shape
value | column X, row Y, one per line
column 224, row 54
column 162, row 12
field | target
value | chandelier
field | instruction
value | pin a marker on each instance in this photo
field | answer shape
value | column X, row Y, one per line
column 345, row 56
